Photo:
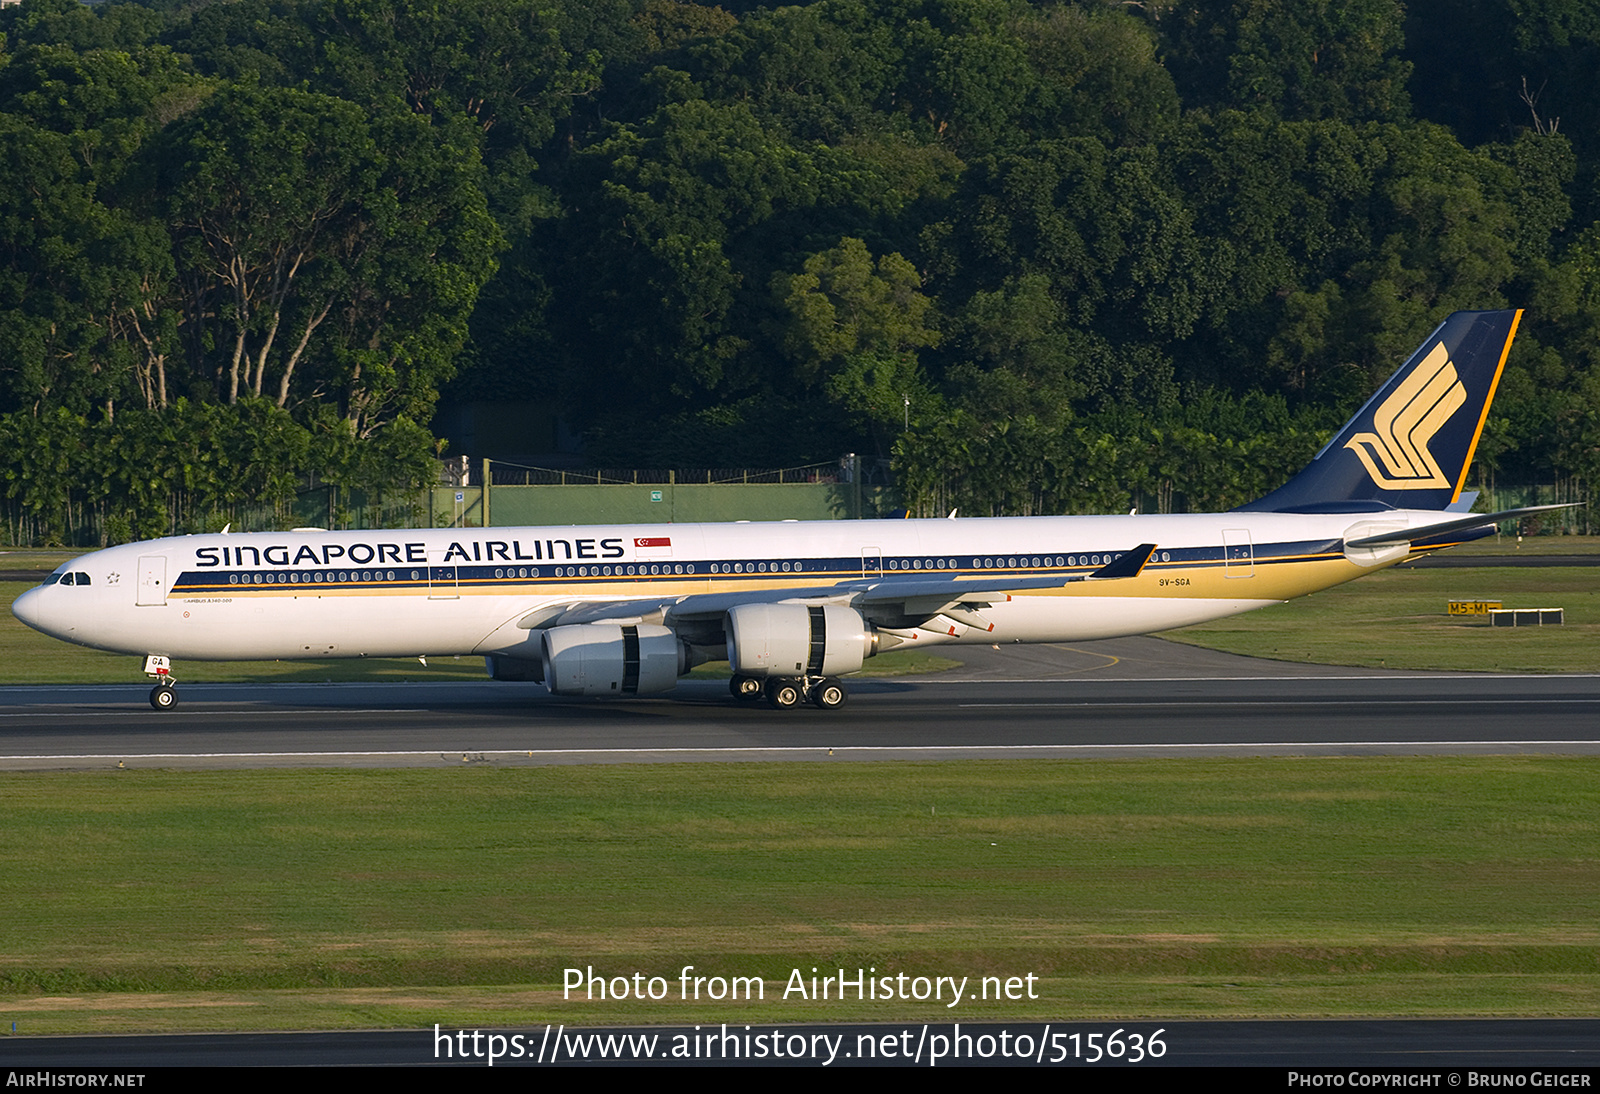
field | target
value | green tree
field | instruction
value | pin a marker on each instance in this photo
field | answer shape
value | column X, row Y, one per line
column 320, row 246
column 77, row 279
column 1302, row 59
column 1093, row 74
column 853, row 327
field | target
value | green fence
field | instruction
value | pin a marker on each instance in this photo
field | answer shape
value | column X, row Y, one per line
column 655, row 503
column 660, row 498
column 1583, row 520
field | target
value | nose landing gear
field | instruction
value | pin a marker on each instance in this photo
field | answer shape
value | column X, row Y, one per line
column 164, row 696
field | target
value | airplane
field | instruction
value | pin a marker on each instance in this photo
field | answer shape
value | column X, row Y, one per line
column 796, row 606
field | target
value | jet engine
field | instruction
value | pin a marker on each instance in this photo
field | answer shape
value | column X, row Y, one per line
column 797, row 640
column 611, row 659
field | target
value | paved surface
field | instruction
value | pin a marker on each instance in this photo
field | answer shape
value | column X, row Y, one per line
column 1143, row 658
column 1132, row 697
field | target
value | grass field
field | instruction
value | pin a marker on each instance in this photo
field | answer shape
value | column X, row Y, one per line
column 1397, row 619
column 1530, row 545
column 159, row 900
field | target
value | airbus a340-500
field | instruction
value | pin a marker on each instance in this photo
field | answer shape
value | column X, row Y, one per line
column 795, row 606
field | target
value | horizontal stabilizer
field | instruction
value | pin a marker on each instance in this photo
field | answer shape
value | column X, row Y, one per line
column 1428, row 531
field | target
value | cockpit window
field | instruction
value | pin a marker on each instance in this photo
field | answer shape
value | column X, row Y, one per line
column 53, row 578
column 83, row 578
column 68, row 579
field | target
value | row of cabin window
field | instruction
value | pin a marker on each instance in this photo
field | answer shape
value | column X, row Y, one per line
column 608, row 571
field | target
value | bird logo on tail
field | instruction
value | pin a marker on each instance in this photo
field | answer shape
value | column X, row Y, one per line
column 1406, row 423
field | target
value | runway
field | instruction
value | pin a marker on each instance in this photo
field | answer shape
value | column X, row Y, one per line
column 1125, row 698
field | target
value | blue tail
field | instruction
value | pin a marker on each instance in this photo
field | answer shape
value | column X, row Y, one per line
column 1411, row 445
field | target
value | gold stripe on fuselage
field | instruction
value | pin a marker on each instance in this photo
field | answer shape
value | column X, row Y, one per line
column 1280, row 577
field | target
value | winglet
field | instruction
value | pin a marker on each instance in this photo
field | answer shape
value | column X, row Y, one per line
column 1128, row 564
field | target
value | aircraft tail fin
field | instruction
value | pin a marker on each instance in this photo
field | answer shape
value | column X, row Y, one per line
column 1410, row 446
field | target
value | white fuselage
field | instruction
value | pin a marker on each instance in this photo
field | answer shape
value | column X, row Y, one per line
column 313, row 594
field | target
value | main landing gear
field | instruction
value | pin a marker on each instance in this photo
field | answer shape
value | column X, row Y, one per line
column 164, row 696
column 786, row 692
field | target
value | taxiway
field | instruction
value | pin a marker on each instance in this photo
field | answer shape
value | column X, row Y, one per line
column 1131, row 697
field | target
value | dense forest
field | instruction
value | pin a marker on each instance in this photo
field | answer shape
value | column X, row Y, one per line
column 1038, row 255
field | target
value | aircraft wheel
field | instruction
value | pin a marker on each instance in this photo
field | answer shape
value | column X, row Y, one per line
column 163, row 696
column 745, row 687
column 783, row 694
column 829, row 695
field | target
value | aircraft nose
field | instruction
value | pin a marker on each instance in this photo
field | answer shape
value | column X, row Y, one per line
column 26, row 607
column 31, row 609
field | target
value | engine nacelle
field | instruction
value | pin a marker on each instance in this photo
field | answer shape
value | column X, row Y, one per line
column 797, row 640
column 608, row 659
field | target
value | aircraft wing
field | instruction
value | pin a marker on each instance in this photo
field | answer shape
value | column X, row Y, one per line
column 875, row 597
column 866, row 594
column 913, row 603
column 1428, row 531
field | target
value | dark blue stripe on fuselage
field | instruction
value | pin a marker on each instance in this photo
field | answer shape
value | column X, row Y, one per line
column 479, row 576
